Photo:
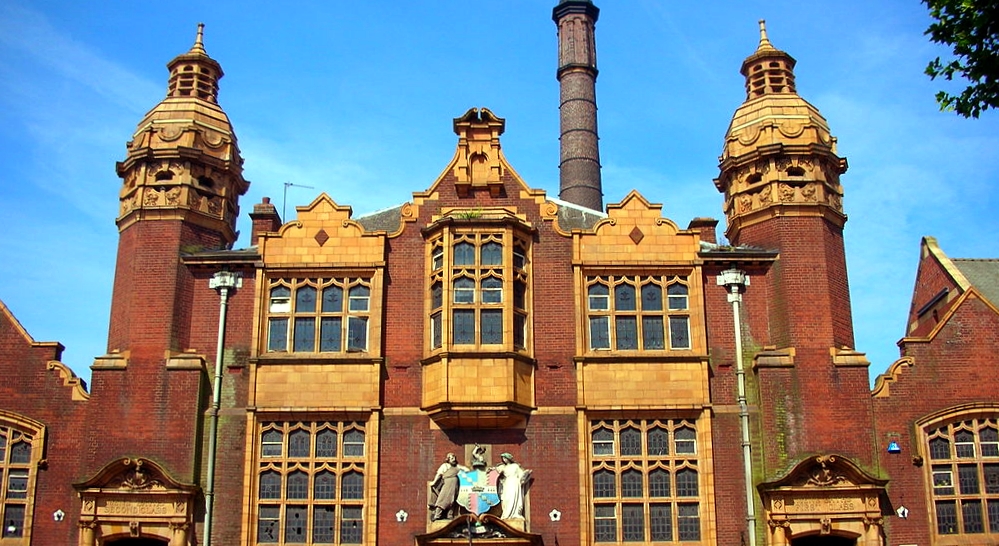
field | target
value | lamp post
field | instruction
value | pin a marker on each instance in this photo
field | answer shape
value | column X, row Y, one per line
column 223, row 282
column 735, row 280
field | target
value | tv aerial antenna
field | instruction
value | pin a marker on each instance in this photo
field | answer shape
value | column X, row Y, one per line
column 284, row 200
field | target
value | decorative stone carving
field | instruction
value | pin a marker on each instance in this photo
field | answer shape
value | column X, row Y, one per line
column 744, row 203
column 215, row 207
column 152, row 197
column 786, row 192
column 173, row 195
column 514, row 482
column 809, row 192
column 137, row 478
column 765, row 194
column 478, row 156
column 778, row 524
column 169, row 133
column 822, row 473
column 871, row 520
column 823, row 495
column 444, row 489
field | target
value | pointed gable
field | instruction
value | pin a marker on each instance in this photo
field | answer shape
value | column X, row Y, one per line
column 322, row 233
column 478, row 162
column 941, row 282
column 635, row 232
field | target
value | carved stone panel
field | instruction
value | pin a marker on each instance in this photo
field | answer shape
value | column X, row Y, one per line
column 824, row 495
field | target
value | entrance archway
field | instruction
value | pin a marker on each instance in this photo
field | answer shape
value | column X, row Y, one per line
column 819, row 540
column 134, row 502
column 825, row 500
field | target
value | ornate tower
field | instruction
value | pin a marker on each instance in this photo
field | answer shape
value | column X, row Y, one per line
column 579, row 165
column 182, row 180
column 808, row 390
column 780, row 176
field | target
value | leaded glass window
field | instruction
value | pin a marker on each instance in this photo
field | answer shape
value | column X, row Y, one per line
column 637, row 488
column 964, row 478
column 19, row 453
column 318, row 315
column 311, row 483
column 626, row 313
column 479, row 290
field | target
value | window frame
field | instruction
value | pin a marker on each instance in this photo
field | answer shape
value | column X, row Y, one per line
column 606, row 458
column 492, row 313
column 957, row 475
column 318, row 495
column 288, row 323
column 17, row 429
column 614, row 325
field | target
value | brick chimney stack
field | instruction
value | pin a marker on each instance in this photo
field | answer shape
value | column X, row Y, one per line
column 579, row 164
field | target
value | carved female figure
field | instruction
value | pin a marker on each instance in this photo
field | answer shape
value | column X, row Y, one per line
column 513, row 486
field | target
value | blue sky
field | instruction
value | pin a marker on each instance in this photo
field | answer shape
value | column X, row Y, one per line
column 356, row 99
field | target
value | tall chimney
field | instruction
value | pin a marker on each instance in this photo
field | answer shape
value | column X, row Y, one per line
column 579, row 164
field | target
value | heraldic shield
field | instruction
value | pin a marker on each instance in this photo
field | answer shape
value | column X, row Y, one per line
column 477, row 491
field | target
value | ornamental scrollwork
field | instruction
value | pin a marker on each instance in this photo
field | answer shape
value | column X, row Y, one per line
column 822, row 473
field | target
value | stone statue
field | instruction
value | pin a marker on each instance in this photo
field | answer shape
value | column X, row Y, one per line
column 514, row 480
column 478, row 457
column 444, row 489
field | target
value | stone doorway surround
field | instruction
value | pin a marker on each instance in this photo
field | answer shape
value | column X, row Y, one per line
column 825, row 496
column 135, row 498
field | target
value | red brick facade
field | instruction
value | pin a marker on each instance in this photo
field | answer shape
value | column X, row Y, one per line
column 821, row 469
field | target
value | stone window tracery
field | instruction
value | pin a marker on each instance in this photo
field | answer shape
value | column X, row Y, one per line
column 638, row 312
column 964, row 476
column 319, row 315
column 479, row 292
column 310, row 483
column 644, row 487
column 20, row 451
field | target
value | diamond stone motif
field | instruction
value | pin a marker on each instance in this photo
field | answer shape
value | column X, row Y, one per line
column 636, row 235
column 322, row 237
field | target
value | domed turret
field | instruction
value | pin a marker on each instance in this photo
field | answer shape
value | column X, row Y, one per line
column 779, row 157
column 183, row 161
column 183, row 176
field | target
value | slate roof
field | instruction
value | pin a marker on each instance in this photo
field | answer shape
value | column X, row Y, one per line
column 387, row 220
column 571, row 216
column 983, row 275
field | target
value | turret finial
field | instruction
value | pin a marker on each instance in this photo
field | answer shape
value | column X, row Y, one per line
column 764, row 41
column 194, row 73
column 199, row 40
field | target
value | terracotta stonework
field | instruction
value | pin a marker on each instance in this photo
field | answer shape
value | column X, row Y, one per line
column 653, row 394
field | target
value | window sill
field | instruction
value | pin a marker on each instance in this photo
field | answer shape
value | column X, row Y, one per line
column 316, row 358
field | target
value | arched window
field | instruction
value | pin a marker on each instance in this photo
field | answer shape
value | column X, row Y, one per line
column 20, row 451
column 963, row 474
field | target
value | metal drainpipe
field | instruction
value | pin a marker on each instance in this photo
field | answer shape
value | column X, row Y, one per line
column 223, row 282
column 734, row 280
